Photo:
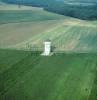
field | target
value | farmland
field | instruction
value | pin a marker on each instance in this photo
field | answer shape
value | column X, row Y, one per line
column 66, row 35
column 66, row 75
column 21, row 27
column 29, row 76
column 18, row 25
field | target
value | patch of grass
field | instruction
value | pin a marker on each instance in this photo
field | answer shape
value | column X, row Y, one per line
column 93, row 95
column 58, row 77
column 9, row 58
column 16, row 16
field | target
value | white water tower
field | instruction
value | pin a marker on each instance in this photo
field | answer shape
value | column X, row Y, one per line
column 47, row 48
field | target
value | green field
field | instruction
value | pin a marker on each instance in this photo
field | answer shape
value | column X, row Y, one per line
column 29, row 76
column 13, row 16
column 93, row 95
column 25, row 75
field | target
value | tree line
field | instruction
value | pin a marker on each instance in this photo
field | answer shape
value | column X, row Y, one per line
column 88, row 12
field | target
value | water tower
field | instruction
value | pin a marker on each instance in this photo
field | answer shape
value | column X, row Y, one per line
column 47, row 48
